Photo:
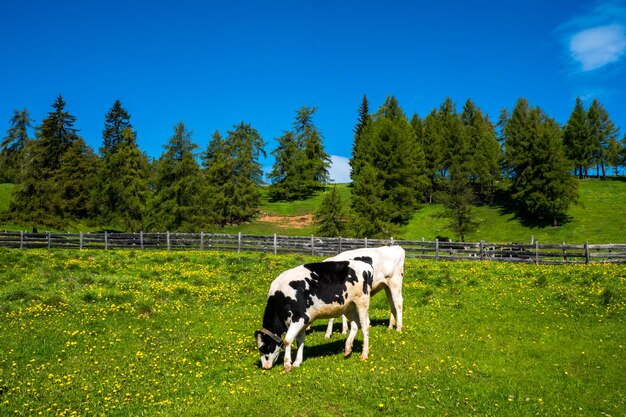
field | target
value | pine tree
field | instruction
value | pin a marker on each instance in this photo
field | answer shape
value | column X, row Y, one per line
column 37, row 201
column 116, row 120
column 390, row 172
column 176, row 204
column 535, row 157
column 614, row 155
column 124, row 193
column 458, row 203
column 484, row 155
column 309, row 139
column 12, row 147
column 301, row 164
column 76, row 177
column 363, row 119
column 433, row 154
column 217, row 163
column 576, row 139
column 288, row 175
column 234, row 175
column 601, row 131
column 330, row 217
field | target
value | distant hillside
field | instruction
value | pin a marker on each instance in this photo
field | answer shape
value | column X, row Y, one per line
column 600, row 217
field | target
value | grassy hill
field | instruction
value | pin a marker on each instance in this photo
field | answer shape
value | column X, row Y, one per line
column 599, row 217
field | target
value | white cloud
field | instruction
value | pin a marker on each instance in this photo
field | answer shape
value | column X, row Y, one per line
column 339, row 169
column 596, row 47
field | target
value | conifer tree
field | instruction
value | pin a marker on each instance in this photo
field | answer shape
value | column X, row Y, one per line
column 124, row 194
column 363, row 119
column 432, row 143
column 577, row 139
column 217, row 164
column 601, row 130
column 75, row 177
column 458, row 202
column 288, row 175
column 484, row 152
column 330, row 218
column 535, row 157
column 301, row 164
column 234, row 175
column 37, row 201
column 12, row 147
column 390, row 180
column 176, row 203
column 116, row 120
column 309, row 139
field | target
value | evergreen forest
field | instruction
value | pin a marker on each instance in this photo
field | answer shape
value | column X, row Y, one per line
column 455, row 156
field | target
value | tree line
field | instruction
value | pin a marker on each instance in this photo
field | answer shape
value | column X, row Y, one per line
column 460, row 159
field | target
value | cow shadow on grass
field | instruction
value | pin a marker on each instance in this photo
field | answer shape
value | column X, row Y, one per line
column 329, row 347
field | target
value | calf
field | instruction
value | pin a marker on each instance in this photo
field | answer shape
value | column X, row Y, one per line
column 388, row 263
column 303, row 294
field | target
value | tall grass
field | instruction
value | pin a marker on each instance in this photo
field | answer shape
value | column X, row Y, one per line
column 134, row 333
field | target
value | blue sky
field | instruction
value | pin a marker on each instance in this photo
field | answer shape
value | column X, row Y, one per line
column 213, row 64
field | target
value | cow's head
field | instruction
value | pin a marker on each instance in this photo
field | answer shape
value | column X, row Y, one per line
column 269, row 347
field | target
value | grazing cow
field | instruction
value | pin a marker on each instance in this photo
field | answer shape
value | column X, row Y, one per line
column 388, row 263
column 303, row 294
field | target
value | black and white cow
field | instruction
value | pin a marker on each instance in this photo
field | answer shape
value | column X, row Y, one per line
column 308, row 292
column 388, row 263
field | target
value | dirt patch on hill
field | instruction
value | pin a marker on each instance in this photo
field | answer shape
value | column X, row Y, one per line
column 295, row 222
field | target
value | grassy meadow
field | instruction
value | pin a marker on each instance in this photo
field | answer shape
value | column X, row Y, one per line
column 130, row 333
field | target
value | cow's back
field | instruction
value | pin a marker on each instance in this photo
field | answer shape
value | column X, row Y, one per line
column 388, row 261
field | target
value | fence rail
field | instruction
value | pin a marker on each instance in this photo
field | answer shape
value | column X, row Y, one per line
column 437, row 250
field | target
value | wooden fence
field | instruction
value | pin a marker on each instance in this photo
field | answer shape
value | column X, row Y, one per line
column 436, row 250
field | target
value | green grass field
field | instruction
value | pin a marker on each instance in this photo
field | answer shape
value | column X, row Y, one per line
column 129, row 333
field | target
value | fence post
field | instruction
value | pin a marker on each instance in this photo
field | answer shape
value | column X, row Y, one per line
column 106, row 240
column 482, row 250
column 275, row 245
column 436, row 249
column 391, row 241
column 366, row 242
column 141, row 239
column 80, row 245
column 536, row 252
column 167, row 238
column 339, row 244
column 312, row 246
column 586, row 252
column 21, row 239
column 564, row 253
column 48, row 237
column 239, row 243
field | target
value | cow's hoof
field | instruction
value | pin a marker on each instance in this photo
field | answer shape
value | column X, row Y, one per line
column 347, row 353
column 327, row 336
column 363, row 357
column 287, row 368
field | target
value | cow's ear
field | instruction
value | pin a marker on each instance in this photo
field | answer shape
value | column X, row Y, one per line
column 257, row 336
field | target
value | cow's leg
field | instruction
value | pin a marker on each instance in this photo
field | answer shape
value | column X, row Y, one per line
column 364, row 322
column 344, row 325
column 392, row 307
column 396, row 293
column 329, row 329
column 352, row 316
column 394, row 298
column 294, row 330
column 300, row 351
